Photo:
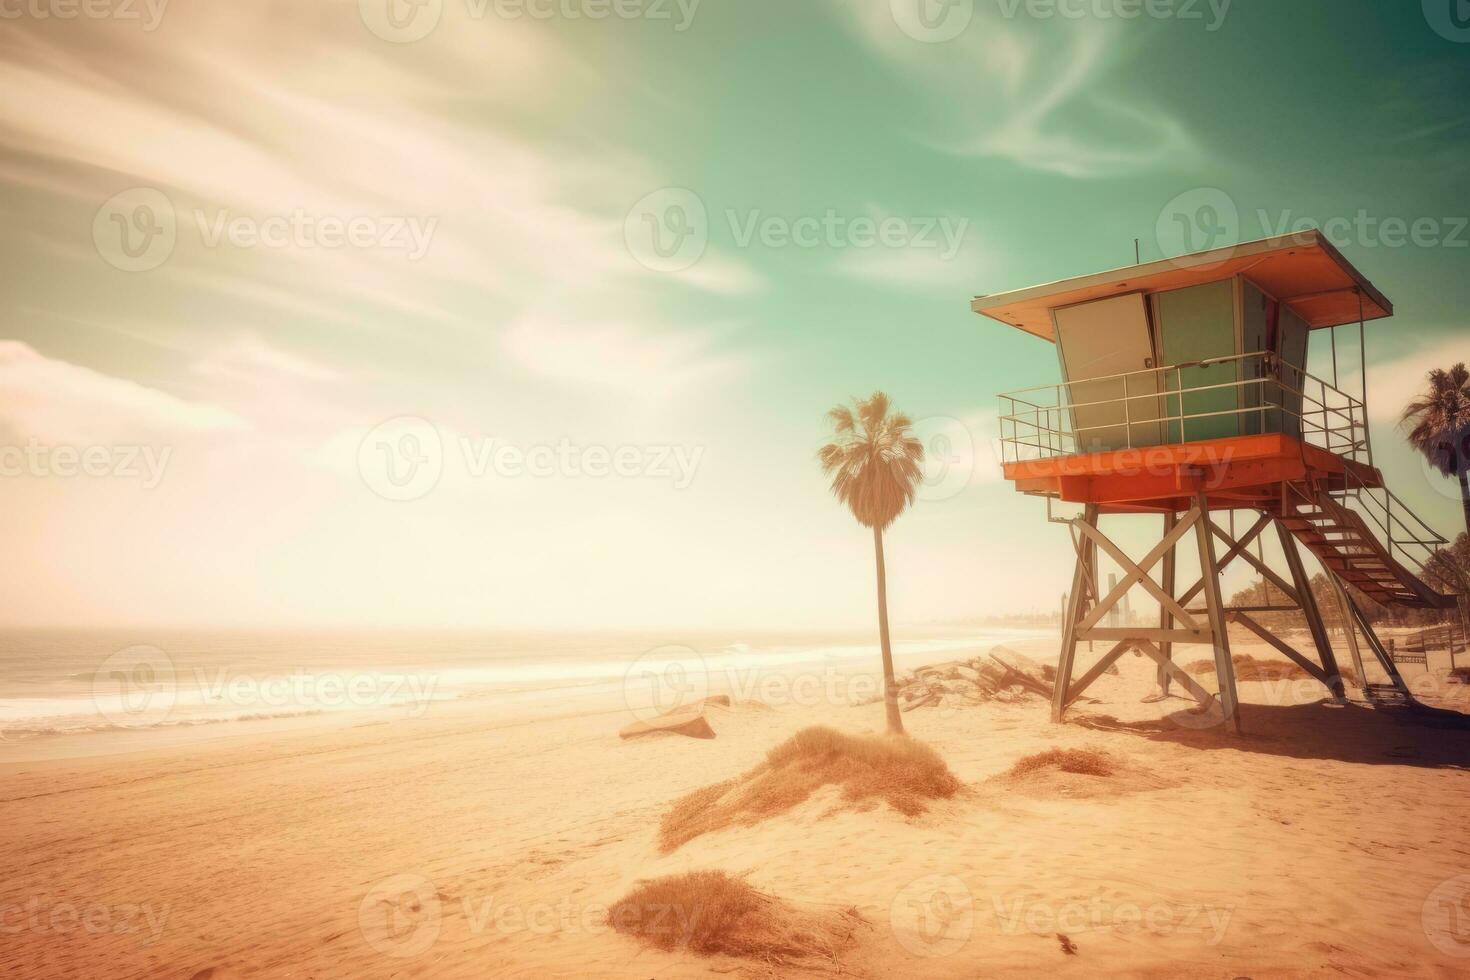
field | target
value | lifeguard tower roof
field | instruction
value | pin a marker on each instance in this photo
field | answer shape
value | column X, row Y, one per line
column 1303, row 271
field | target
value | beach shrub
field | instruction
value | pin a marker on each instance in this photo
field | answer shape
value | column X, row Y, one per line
column 1086, row 762
column 711, row 913
column 895, row 769
column 1248, row 668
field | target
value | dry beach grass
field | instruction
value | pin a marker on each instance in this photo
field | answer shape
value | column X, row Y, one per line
column 712, row 913
column 904, row 773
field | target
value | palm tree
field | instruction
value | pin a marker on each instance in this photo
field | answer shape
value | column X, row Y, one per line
column 1440, row 420
column 1448, row 570
column 874, row 467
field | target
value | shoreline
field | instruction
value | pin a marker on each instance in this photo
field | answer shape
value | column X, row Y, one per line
column 203, row 699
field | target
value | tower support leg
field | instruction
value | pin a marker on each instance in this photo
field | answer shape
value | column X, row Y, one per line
column 1215, row 607
column 1166, row 618
column 1348, row 612
column 1310, row 610
column 1356, row 617
column 1082, row 579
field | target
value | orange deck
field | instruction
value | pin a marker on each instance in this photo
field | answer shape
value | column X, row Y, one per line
column 1241, row 471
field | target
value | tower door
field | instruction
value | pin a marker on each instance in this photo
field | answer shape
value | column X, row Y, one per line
column 1099, row 343
column 1197, row 324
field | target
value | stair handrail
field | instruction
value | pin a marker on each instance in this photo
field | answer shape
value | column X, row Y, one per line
column 1431, row 544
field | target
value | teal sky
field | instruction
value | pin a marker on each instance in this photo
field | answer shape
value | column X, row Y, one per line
column 519, row 146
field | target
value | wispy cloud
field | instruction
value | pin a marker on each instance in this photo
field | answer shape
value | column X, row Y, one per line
column 298, row 110
column 249, row 359
column 644, row 361
column 55, row 402
column 1393, row 384
column 1041, row 98
column 940, row 252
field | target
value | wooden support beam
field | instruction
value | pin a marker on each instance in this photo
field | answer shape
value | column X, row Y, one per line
column 1138, row 573
column 1271, row 638
column 1271, row 576
column 1209, row 574
column 1261, row 609
column 1371, row 635
column 1076, row 603
column 1310, row 610
column 1205, row 698
column 1349, row 617
column 1112, row 633
column 1097, row 670
column 1236, row 548
column 1166, row 621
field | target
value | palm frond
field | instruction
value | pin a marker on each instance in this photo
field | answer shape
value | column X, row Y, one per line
column 841, row 419
column 873, row 410
column 1438, row 420
column 875, row 467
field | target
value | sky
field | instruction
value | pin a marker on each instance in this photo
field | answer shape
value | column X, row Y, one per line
column 527, row 313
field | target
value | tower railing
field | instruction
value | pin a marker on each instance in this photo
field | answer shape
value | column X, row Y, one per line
column 1178, row 403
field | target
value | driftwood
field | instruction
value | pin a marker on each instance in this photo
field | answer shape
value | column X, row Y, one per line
column 691, row 723
column 1002, row 675
column 1015, row 676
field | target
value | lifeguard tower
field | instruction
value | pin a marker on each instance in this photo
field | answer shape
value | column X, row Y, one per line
column 1185, row 395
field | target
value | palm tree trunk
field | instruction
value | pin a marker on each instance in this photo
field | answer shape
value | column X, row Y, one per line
column 890, row 688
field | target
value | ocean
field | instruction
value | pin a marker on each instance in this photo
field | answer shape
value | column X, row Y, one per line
column 55, row 683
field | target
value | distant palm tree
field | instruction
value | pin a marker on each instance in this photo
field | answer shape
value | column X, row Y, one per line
column 874, row 467
column 1440, row 420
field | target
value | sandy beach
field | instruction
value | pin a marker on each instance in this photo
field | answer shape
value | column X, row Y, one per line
column 464, row 845
column 655, row 489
